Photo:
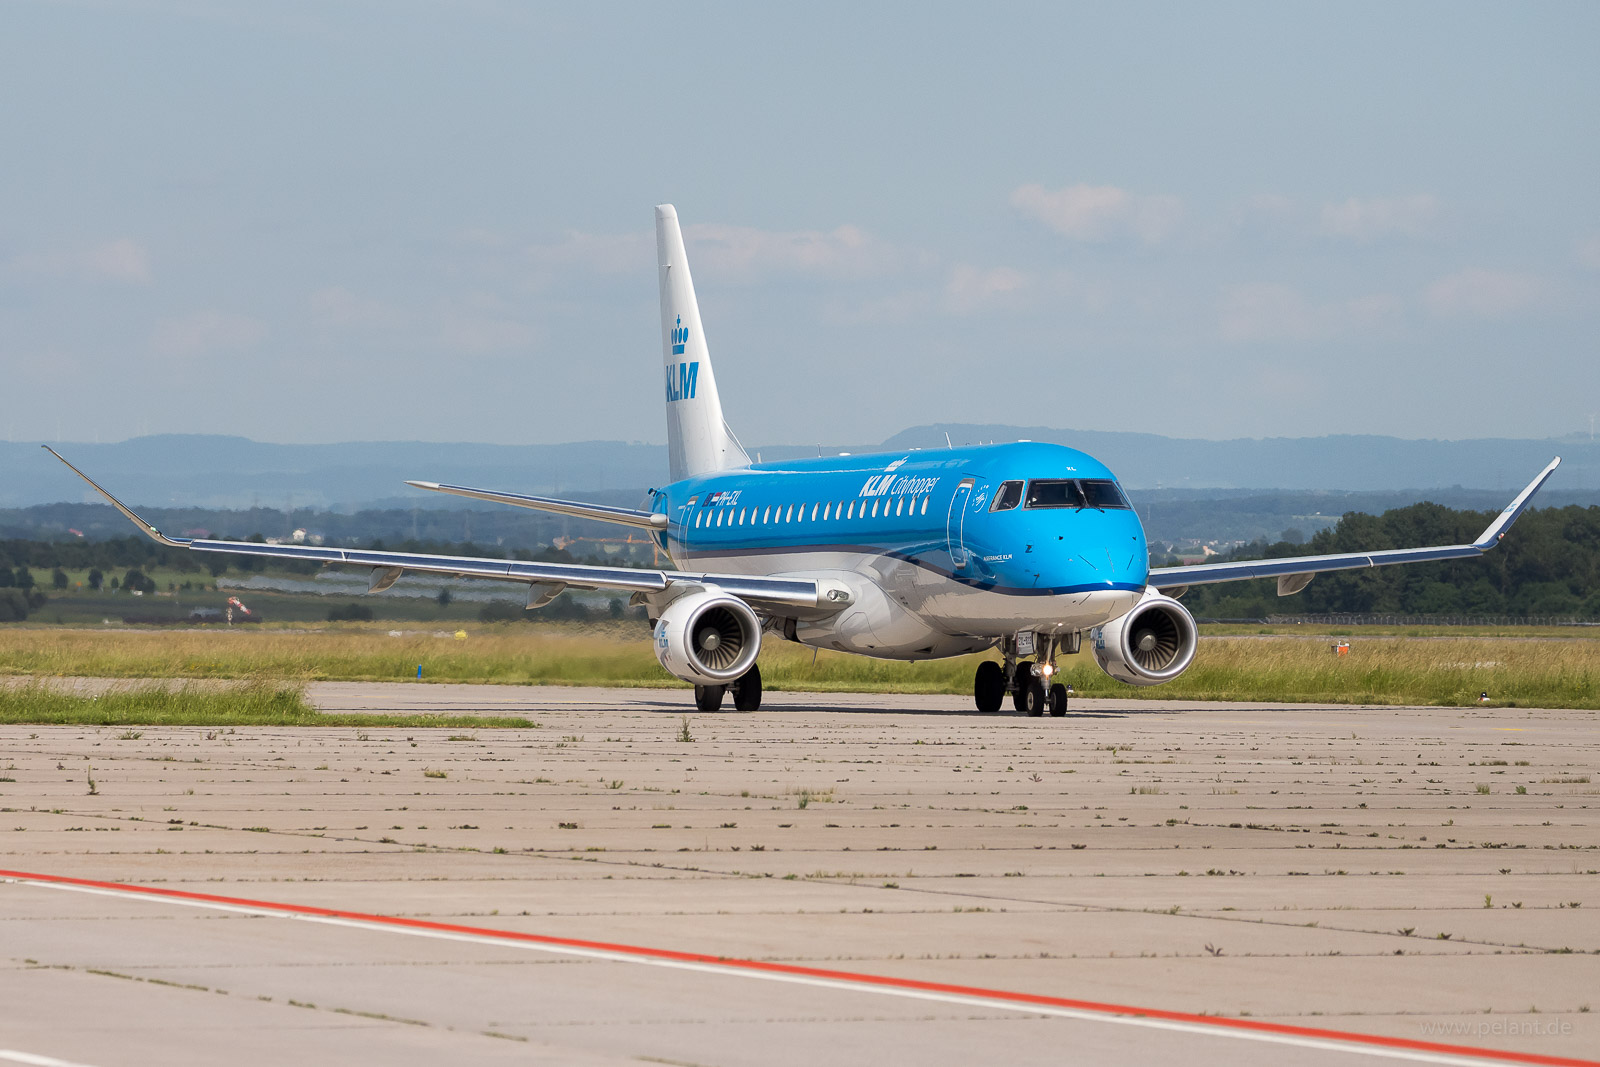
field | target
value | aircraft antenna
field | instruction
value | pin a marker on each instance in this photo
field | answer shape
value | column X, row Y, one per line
column 947, row 443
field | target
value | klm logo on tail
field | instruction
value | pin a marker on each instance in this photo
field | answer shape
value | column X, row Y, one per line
column 680, row 337
column 681, row 378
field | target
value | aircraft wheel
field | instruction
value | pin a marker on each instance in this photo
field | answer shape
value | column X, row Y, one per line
column 708, row 697
column 747, row 690
column 1033, row 698
column 989, row 687
column 1058, row 700
column 1020, row 680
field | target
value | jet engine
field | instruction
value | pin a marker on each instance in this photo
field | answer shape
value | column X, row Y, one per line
column 1153, row 643
column 707, row 637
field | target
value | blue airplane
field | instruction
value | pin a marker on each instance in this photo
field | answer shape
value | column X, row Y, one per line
column 1026, row 548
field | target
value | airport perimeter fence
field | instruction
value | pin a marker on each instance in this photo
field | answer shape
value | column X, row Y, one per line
column 1370, row 619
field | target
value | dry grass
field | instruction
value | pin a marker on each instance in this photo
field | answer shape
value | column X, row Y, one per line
column 1395, row 670
column 1377, row 670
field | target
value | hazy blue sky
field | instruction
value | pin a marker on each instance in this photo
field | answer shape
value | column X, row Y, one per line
column 325, row 221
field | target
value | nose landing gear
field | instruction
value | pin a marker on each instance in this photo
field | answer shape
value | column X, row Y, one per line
column 1030, row 683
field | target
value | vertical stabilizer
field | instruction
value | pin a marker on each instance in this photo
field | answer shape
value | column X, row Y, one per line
column 698, row 440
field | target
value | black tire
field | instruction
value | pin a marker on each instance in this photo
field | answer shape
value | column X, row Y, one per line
column 709, row 697
column 1058, row 700
column 747, row 690
column 989, row 687
column 1033, row 698
column 1019, row 683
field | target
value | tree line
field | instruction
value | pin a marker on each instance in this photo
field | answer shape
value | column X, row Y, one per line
column 1548, row 564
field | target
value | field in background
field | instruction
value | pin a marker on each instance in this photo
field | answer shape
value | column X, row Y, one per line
column 1523, row 669
column 78, row 605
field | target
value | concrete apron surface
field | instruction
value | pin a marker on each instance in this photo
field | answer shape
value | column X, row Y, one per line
column 895, row 878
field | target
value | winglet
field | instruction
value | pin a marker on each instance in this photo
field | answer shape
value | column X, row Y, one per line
column 150, row 531
column 1497, row 529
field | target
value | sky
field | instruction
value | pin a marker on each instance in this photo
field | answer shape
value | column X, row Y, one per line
column 317, row 222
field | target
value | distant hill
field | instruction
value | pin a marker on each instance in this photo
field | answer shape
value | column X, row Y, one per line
column 213, row 471
column 221, row 472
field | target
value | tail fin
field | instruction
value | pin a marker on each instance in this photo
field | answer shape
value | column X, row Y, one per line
column 698, row 440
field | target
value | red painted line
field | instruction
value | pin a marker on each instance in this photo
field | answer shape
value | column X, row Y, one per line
column 1219, row 1023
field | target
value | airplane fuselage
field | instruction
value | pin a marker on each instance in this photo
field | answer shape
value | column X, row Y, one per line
column 945, row 550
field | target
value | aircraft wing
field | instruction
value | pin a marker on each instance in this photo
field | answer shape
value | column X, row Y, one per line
column 1294, row 572
column 783, row 595
column 600, row 512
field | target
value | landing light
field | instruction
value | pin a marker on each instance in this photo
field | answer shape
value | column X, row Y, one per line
column 1047, row 670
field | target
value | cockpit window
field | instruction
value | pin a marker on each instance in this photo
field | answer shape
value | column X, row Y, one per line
column 1054, row 493
column 1008, row 496
column 1103, row 494
column 1073, row 493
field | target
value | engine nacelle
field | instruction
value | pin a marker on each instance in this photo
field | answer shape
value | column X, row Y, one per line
column 707, row 637
column 1153, row 643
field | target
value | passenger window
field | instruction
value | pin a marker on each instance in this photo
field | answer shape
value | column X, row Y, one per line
column 924, row 505
column 852, row 512
column 697, row 520
column 741, row 516
column 1054, row 493
column 900, row 506
column 1008, row 496
column 874, row 509
column 790, row 516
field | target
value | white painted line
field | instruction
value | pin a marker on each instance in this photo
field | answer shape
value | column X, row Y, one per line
column 36, row 1060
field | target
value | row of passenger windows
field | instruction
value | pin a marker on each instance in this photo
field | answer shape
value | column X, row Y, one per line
column 914, row 505
column 1060, row 493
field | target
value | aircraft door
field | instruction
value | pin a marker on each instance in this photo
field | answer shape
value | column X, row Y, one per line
column 955, row 525
column 686, row 517
column 658, row 504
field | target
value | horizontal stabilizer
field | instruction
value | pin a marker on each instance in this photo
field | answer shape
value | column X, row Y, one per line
column 577, row 509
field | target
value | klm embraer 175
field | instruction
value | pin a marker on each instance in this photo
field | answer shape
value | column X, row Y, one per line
column 1025, row 548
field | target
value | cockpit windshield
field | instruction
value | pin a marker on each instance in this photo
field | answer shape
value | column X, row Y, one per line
column 1054, row 493
column 1103, row 493
column 1074, row 493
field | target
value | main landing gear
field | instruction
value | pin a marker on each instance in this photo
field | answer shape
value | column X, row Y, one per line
column 1030, row 683
column 746, row 692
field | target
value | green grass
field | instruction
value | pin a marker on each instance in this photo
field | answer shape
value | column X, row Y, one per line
column 252, row 703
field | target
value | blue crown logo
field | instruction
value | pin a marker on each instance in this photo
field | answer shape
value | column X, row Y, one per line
column 680, row 337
